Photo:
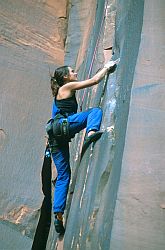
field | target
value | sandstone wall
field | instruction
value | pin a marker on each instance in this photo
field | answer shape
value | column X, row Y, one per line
column 98, row 175
column 116, row 197
column 32, row 36
column 139, row 219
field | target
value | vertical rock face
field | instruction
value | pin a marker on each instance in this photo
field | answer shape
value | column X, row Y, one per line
column 81, row 22
column 98, row 174
column 130, row 156
column 32, row 37
column 139, row 221
column 87, row 226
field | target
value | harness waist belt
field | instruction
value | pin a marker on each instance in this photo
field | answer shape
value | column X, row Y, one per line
column 58, row 130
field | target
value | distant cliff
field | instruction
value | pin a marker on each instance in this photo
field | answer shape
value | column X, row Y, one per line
column 32, row 38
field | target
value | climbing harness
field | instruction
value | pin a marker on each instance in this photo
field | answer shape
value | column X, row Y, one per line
column 94, row 53
column 58, row 131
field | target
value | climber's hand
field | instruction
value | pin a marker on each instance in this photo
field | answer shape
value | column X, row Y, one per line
column 110, row 64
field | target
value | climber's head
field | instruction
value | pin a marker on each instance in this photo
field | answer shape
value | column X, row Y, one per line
column 62, row 75
column 72, row 76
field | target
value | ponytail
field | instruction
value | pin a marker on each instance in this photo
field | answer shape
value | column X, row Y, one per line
column 54, row 86
column 58, row 79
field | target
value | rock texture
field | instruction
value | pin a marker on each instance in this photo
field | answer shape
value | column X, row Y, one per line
column 139, row 220
column 116, row 197
column 98, row 174
column 130, row 96
column 32, row 36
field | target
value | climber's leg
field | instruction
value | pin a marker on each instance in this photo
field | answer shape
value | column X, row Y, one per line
column 61, row 160
column 89, row 119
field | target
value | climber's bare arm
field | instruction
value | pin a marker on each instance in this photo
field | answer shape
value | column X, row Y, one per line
column 86, row 83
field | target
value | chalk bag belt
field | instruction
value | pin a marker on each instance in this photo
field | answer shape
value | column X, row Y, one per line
column 58, row 130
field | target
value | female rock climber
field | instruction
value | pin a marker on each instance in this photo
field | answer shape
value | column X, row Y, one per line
column 64, row 84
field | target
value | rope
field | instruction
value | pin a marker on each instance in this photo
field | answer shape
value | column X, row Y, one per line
column 94, row 53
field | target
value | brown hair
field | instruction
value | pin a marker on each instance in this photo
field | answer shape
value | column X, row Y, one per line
column 57, row 80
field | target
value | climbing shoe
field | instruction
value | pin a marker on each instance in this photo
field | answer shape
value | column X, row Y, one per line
column 89, row 139
column 59, row 225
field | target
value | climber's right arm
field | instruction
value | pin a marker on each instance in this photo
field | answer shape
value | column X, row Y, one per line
column 86, row 83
